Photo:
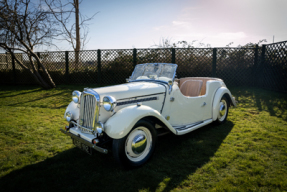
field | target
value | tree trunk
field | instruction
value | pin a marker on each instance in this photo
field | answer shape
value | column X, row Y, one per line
column 48, row 84
column 35, row 74
column 47, row 76
column 78, row 40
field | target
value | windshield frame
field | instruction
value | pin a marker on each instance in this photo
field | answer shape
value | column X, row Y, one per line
column 173, row 77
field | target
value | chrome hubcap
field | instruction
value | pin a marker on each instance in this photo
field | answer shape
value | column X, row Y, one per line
column 222, row 110
column 138, row 144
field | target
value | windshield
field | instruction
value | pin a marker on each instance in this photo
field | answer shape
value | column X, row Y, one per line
column 154, row 71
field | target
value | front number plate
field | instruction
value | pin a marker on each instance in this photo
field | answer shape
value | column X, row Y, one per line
column 82, row 146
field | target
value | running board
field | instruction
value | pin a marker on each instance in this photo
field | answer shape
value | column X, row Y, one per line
column 181, row 130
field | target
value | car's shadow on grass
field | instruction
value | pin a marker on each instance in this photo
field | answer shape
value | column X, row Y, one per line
column 175, row 159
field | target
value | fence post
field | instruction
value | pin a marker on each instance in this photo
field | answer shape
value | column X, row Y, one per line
column 255, row 65
column 173, row 55
column 14, row 70
column 263, row 54
column 262, row 64
column 67, row 66
column 214, row 55
column 99, row 66
column 134, row 57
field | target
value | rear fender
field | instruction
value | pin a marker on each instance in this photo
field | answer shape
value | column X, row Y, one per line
column 218, row 95
column 121, row 123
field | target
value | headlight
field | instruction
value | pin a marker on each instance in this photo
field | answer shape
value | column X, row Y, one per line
column 76, row 96
column 69, row 116
column 109, row 103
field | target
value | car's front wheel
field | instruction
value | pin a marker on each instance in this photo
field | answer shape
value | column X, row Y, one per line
column 136, row 148
column 223, row 110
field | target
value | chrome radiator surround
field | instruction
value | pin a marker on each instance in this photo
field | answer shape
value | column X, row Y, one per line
column 89, row 111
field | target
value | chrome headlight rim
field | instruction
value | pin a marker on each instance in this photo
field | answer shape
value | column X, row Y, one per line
column 76, row 96
column 109, row 103
column 68, row 116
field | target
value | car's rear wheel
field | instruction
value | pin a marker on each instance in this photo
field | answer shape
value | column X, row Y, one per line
column 223, row 110
column 136, row 148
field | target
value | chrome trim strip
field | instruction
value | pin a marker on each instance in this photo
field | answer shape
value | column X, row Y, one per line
column 95, row 147
column 137, row 101
column 141, row 96
column 193, row 127
column 187, row 126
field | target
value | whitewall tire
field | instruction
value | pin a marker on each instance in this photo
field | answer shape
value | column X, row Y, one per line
column 224, row 104
column 137, row 146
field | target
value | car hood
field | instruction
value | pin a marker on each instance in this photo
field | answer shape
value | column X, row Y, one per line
column 133, row 89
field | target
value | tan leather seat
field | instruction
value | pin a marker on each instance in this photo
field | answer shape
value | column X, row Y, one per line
column 191, row 88
column 203, row 79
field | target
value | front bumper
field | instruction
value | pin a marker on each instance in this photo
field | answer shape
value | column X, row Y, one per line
column 78, row 138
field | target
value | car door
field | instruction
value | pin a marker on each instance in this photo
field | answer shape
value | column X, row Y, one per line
column 187, row 110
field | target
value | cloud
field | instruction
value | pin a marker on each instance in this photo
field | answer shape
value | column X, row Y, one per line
column 159, row 28
column 183, row 22
column 236, row 35
column 193, row 24
column 180, row 23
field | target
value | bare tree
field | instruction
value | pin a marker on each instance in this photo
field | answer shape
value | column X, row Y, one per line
column 23, row 26
column 62, row 10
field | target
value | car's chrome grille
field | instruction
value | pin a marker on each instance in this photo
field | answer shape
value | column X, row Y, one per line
column 88, row 110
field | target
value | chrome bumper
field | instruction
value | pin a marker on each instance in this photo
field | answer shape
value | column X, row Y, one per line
column 93, row 146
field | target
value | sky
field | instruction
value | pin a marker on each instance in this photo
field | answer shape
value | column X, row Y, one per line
column 125, row 24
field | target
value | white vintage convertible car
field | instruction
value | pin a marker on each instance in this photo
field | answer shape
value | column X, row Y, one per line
column 131, row 115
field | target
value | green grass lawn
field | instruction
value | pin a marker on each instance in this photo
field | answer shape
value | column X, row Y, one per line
column 247, row 153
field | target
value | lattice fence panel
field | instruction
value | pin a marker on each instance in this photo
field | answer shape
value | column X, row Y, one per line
column 54, row 62
column 85, row 70
column 6, row 70
column 116, row 65
column 3, row 62
column 235, row 65
column 154, row 56
column 194, row 62
column 22, row 75
column 275, row 67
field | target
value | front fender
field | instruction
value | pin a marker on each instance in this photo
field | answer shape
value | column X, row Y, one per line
column 121, row 123
column 73, row 108
column 218, row 95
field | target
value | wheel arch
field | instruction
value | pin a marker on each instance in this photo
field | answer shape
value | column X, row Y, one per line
column 222, row 91
column 153, row 120
column 120, row 124
column 229, row 99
